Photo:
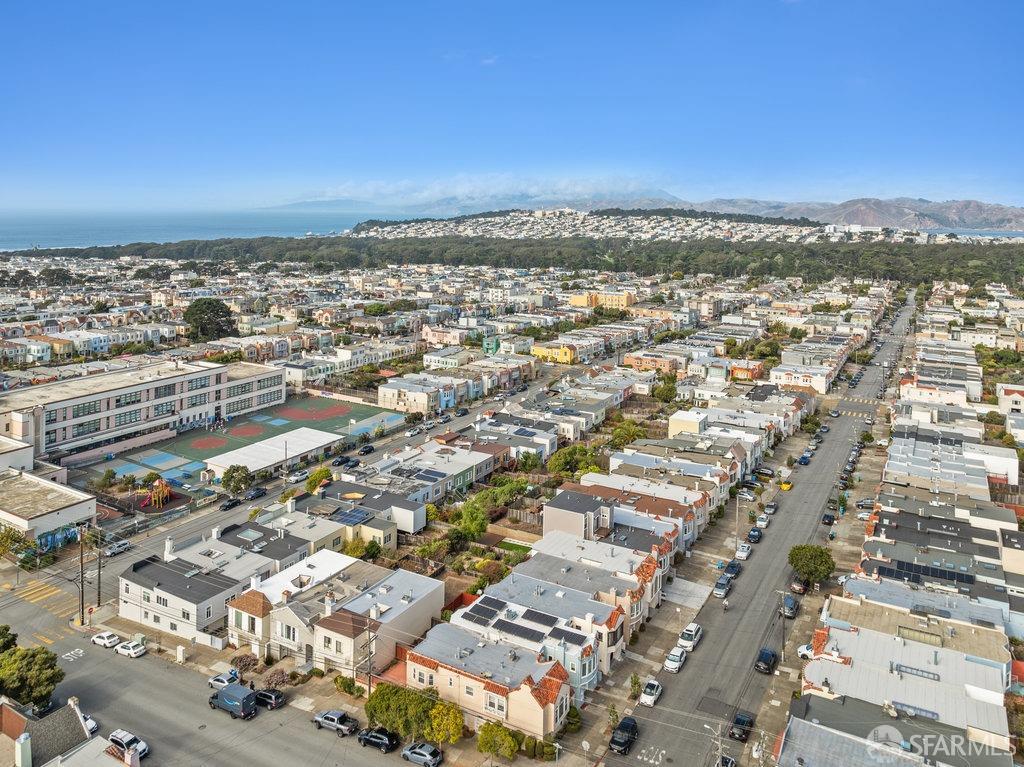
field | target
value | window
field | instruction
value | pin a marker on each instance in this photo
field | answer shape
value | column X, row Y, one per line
column 51, row 416
column 252, row 625
column 51, row 437
column 196, row 400
column 145, row 596
column 186, row 615
column 167, row 390
column 123, row 419
column 195, row 384
column 634, row 609
column 162, row 601
column 327, row 643
column 238, row 405
column 238, row 618
column 174, row 626
column 163, row 408
column 124, row 400
column 209, row 612
column 337, row 541
column 469, row 691
column 145, row 615
column 88, row 427
column 495, row 703
column 288, row 632
column 572, row 666
column 126, row 589
column 239, row 389
column 85, row 408
column 268, row 397
column 266, row 383
column 156, row 618
column 387, row 538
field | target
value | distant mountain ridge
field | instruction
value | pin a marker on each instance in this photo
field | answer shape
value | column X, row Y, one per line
column 900, row 212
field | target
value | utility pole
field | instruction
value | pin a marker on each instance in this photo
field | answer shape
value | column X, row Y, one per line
column 81, row 576
column 737, row 520
column 716, row 732
column 99, row 567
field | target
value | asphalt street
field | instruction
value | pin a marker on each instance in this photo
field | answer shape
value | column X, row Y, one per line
column 719, row 678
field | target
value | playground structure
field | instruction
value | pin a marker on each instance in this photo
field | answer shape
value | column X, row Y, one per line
column 159, row 495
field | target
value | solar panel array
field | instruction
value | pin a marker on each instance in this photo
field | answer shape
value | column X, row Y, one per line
column 352, row 516
column 942, row 573
column 538, row 617
column 492, row 602
column 485, row 612
column 479, row 620
column 431, row 475
column 518, row 630
column 570, row 637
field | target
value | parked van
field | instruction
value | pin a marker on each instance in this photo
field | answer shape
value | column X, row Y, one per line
column 237, row 700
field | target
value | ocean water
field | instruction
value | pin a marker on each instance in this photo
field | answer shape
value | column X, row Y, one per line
column 76, row 230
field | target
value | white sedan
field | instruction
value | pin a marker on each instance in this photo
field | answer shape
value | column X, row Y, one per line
column 674, row 660
column 864, row 516
column 805, row 651
column 651, row 692
column 90, row 724
column 106, row 639
column 131, row 649
column 744, row 550
column 223, row 680
column 763, row 520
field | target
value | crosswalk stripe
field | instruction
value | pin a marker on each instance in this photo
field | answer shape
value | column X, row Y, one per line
column 43, row 639
column 40, row 594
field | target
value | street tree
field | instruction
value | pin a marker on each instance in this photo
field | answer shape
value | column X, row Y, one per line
column 29, row 674
column 237, row 479
column 494, row 739
column 323, row 474
column 815, row 563
column 446, row 723
column 8, row 639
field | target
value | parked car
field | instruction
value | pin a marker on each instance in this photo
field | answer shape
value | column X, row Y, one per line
column 90, row 723
column 690, row 637
column 445, row 418
column 771, row 507
column 230, row 503
column 132, row 649
column 429, row 424
column 117, row 547
column 742, row 724
column 379, row 738
column 805, row 652
column 803, row 460
column 828, row 519
column 460, row 412
column 790, row 606
column 352, row 463
column 365, row 450
column 651, row 692
column 764, row 471
column 751, row 484
column 754, row 535
column 746, row 495
column 106, row 639
column 341, row 460
column 825, row 428
column 866, row 503
column 786, row 485
column 297, row 476
column 238, row 701
column 413, row 431
column 270, row 698
column 744, row 550
column 732, row 569
column 766, row 661
column 674, row 660
column 423, row 754
column 833, row 413
column 869, row 421
column 625, row 735
column 254, row 493
column 722, row 587
column 223, row 680
column 799, row 585
column 125, row 741
column 339, row 721
column 763, row 520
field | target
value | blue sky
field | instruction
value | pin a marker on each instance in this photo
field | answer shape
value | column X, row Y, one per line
column 220, row 105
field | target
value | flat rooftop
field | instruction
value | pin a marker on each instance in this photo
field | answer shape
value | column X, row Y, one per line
column 950, row 635
column 275, row 450
column 84, row 386
column 28, row 497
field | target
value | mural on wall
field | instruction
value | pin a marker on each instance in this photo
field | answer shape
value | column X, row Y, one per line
column 54, row 539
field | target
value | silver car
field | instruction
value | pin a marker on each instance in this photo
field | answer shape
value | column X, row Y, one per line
column 423, row 754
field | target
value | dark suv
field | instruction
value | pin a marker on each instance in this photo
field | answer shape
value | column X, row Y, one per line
column 742, row 724
column 766, row 661
column 378, row 737
column 625, row 735
column 790, row 606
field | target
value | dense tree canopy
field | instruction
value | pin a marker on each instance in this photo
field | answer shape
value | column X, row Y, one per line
column 209, row 319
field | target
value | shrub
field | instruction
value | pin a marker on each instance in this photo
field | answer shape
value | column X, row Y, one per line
column 346, row 684
column 573, row 720
column 530, row 746
column 317, row 672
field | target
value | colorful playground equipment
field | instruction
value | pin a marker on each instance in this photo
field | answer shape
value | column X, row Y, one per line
column 159, row 495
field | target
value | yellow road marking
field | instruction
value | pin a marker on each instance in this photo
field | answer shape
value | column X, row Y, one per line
column 43, row 639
